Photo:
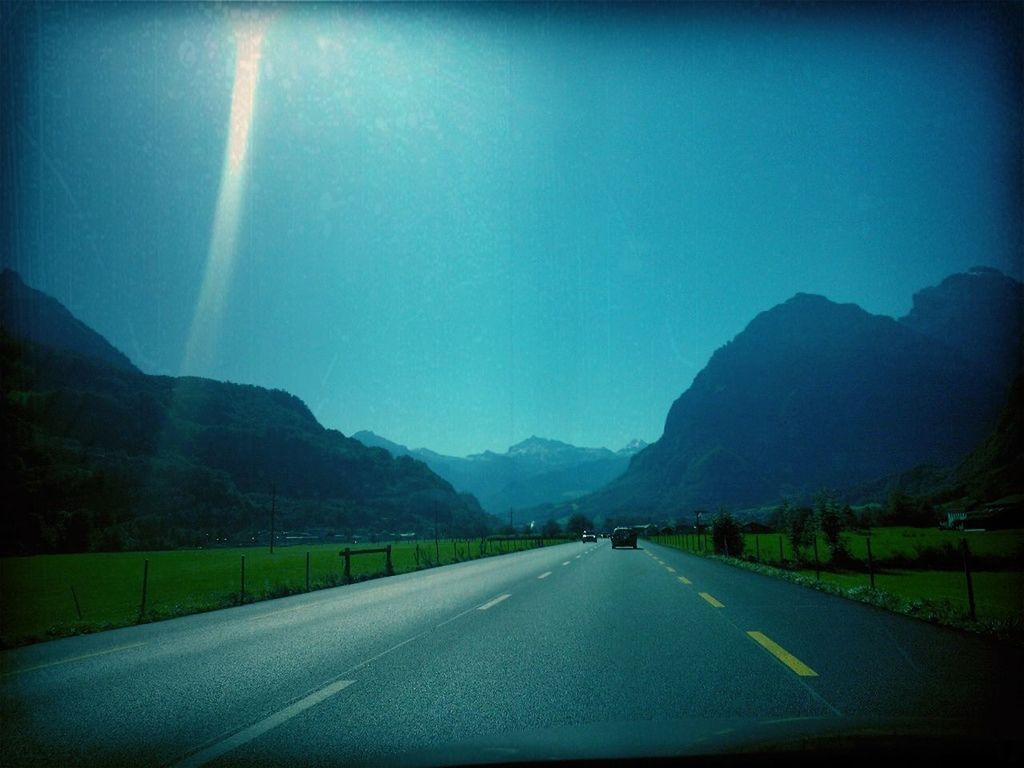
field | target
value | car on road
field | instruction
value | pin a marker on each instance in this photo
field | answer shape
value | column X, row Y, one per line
column 589, row 536
column 624, row 537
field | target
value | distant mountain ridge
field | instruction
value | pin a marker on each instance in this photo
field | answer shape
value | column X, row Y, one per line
column 97, row 455
column 532, row 472
column 815, row 394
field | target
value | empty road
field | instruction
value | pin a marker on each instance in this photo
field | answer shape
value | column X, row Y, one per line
column 573, row 650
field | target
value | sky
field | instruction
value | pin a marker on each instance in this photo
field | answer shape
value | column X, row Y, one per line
column 460, row 226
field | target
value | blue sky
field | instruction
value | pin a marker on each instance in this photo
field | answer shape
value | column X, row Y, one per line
column 462, row 226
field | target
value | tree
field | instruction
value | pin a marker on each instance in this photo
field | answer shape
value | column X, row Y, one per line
column 899, row 507
column 552, row 529
column 830, row 522
column 779, row 515
column 578, row 523
column 799, row 527
column 726, row 534
column 904, row 509
column 849, row 517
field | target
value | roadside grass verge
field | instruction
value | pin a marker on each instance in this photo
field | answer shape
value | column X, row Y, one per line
column 38, row 593
column 896, row 547
column 938, row 596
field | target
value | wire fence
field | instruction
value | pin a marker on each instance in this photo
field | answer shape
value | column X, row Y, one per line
column 941, row 568
column 54, row 595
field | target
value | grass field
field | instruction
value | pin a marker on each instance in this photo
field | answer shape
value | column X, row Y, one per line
column 886, row 543
column 998, row 594
column 37, row 601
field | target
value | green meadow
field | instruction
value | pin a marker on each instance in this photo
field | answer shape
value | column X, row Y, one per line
column 998, row 595
column 38, row 594
column 905, row 567
column 886, row 544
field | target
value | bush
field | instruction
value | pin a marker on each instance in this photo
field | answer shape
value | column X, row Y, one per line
column 726, row 534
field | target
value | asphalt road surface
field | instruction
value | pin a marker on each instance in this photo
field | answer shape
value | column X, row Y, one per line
column 574, row 650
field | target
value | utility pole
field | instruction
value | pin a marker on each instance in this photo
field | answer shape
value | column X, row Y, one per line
column 273, row 509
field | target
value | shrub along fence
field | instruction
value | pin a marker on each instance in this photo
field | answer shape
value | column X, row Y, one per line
column 48, row 596
column 977, row 574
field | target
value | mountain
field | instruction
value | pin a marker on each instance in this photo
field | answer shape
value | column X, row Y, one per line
column 978, row 314
column 30, row 314
column 534, row 472
column 371, row 440
column 96, row 455
column 995, row 468
column 633, row 446
column 815, row 394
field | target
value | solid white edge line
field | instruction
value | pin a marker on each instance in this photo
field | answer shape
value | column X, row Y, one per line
column 494, row 602
column 71, row 659
column 256, row 730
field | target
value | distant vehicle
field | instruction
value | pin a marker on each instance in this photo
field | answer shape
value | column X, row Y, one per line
column 589, row 536
column 624, row 537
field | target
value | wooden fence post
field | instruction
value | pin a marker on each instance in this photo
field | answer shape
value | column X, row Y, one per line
column 967, row 574
column 307, row 571
column 241, row 593
column 871, row 564
column 389, row 568
column 347, row 554
column 145, row 585
column 78, row 608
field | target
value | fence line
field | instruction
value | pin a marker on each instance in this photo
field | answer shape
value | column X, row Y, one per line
column 60, row 594
column 853, row 564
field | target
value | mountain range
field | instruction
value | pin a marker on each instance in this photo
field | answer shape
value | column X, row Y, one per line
column 533, row 472
column 813, row 394
column 98, row 455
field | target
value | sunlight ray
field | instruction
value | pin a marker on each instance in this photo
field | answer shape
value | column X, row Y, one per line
column 220, row 259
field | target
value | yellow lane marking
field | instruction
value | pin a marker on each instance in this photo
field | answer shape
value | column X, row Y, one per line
column 74, row 658
column 544, row 575
column 684, row 580
column 669, row 569
column 711, row 600
column 492, row 603
column 783, row 655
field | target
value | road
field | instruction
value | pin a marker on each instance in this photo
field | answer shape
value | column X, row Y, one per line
column 576, row 649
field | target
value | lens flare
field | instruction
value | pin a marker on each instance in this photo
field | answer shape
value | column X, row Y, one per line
column 220, row 260
column 249, row 40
